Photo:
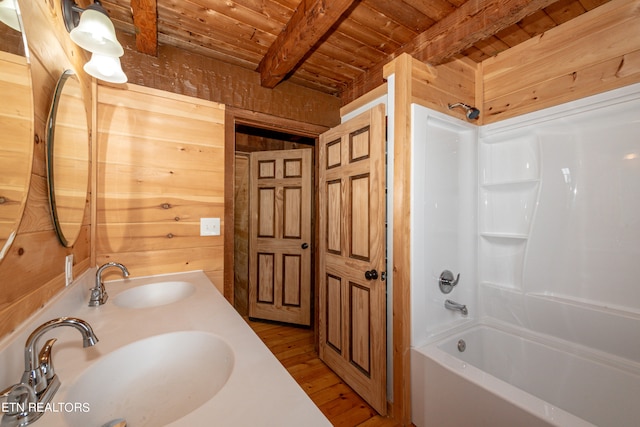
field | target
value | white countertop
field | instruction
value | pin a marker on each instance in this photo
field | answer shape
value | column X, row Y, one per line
column 259, row 391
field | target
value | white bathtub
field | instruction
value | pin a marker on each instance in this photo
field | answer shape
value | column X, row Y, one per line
column 516, row 378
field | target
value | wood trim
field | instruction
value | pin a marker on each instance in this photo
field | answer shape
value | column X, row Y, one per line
column 401, row 269
column 364, row 99
column 229, row 210
column 268, row 121
column 233, row 117
column 159, row 93
column 479, row 92
column 94, row 172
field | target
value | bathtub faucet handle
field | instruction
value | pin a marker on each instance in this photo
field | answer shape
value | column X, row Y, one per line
column 446, row 281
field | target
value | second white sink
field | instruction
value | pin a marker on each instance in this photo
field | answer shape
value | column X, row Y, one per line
column 154, row 294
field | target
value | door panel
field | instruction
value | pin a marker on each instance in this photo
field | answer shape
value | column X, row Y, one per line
column 352, row 242
column 280, row 262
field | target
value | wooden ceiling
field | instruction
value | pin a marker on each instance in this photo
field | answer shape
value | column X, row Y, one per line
column 332, row 45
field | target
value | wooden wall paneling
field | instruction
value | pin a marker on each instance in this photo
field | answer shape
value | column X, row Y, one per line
column 590, row 80
column 597, row 51
column 437, row 87
column 11, row 315
column 33, row 271
column 161, row 167
column 16, row 148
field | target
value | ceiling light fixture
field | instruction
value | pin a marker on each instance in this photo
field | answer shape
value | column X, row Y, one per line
column 92, row 30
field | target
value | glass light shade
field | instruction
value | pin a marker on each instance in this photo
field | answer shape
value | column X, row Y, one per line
column 105, row 68
column 95, row 32
column 9, row 14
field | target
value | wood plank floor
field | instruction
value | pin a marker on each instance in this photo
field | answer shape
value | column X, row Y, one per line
column 338, row 402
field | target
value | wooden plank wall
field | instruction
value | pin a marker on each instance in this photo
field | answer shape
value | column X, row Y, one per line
column 160, row 169
column 596, row 52
column 16, row 146
column 191, row 74
column 33, row 269
column 241, row 234
column 437, row 87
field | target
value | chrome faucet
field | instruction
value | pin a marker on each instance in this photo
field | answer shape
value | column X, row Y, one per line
column 27, row 399
column 452, row 305
column 98, row 293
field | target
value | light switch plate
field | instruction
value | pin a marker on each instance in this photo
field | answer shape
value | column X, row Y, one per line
column 209, row 226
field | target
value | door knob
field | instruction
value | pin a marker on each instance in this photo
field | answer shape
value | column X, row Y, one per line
column 371, row 275
column 305, row 245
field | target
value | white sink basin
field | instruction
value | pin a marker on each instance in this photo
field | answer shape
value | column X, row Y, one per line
column 152, row 382
column 154, row 294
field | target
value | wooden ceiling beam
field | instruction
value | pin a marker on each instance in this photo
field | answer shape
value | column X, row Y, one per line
column 472, row 22
column 145, row 21
column 309, row 23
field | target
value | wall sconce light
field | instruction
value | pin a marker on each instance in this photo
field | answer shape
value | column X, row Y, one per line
column 9, row 14
column 92, row 30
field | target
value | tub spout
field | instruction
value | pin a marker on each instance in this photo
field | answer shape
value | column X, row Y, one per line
column 452, row 305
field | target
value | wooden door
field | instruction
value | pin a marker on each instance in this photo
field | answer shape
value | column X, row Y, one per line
column 280, row 244
column 352, row 254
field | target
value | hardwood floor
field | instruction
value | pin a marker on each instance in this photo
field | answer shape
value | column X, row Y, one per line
column 337, row 401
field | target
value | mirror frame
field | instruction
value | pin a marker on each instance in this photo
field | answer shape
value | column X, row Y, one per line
column 65, row 240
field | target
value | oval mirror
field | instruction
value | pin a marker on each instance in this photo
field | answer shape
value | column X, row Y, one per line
column 16, row 124
column 68, row 158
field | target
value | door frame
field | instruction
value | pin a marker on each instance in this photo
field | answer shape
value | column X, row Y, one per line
column 398, row 271
column 237, row 116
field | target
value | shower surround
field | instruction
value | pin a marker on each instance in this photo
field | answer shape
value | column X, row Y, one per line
column 545, row 232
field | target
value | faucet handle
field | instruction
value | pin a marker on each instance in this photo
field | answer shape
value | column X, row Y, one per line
column 19, row 397
column 46, row 361
column 447, row 282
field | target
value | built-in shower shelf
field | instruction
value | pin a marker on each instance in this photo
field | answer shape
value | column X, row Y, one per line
column 504, row 236
column 525, row 184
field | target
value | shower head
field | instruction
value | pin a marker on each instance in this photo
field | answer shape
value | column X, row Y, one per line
column 472, row 112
